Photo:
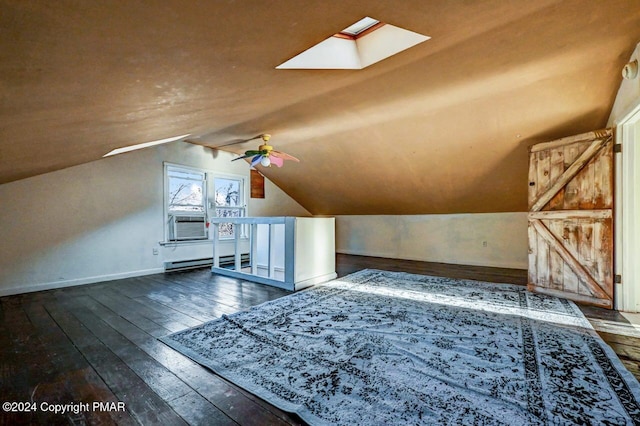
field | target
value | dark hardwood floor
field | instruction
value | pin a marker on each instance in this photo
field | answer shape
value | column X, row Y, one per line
column 99, row 343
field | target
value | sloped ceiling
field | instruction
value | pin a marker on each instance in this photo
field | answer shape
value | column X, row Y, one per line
column 440, row 128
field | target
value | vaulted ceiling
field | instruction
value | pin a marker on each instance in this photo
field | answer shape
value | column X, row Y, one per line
column 440, row 128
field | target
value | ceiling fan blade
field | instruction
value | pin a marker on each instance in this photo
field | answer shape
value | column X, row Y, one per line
column 242, row 157
column 276, row 160
column 284, row 156
column 255, row 160
column 250, row 153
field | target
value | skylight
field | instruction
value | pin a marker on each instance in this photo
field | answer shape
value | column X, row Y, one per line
column 360, row 26
column 361, row 44
column 144, row 145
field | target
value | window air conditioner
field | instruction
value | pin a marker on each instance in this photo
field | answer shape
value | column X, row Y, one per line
column 191, row 227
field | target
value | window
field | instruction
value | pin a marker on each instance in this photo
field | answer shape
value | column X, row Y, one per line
column 186, row 198
column 192, row 196
column 229, row 202
column 186, row 190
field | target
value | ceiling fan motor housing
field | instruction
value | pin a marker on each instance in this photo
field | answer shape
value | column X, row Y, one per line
column 265, row 147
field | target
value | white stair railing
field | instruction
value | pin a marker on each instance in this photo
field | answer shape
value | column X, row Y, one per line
column 274, row 247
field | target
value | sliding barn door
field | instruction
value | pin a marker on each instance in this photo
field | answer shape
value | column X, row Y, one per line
column 571, row 218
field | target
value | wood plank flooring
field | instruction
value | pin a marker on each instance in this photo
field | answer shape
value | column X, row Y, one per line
column 99, row 343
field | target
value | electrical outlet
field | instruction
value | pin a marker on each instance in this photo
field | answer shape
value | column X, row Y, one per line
column 484, row 244
column 155, row 251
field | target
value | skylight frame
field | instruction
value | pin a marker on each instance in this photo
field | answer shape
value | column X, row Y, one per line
column 357, row 29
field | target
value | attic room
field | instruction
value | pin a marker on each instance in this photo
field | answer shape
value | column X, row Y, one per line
column 475, row 186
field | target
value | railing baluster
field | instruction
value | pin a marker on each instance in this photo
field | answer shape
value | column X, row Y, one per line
column 269, row 250
column 216, row 239
column 236, row 248
column 253, row 252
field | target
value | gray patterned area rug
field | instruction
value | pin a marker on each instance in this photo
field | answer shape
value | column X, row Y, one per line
column 387, row 348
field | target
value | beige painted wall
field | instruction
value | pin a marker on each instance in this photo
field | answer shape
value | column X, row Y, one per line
column 102, row 220
column 456, row 238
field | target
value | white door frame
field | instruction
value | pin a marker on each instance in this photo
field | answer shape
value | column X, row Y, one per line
column 627, row 212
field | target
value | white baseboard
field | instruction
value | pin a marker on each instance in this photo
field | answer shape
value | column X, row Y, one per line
column 315, row 280
column 78, row 281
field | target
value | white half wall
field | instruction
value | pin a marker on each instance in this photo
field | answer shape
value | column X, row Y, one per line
column 102, row 220
column 315, row 255
column 482, row 239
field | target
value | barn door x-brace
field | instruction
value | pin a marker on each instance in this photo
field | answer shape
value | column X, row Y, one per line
column 571, row 218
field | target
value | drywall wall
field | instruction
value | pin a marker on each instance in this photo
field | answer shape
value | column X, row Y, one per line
column 314, row 250
column 102, row 220
column 485, row 239
column 628, row 96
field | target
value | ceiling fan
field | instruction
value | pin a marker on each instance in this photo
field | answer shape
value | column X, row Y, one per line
column 266, row 155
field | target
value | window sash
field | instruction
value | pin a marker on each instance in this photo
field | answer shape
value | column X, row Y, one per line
column 233, row 196
column 181, row 182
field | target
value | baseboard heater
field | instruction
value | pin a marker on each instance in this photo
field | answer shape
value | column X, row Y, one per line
column 177, row 265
